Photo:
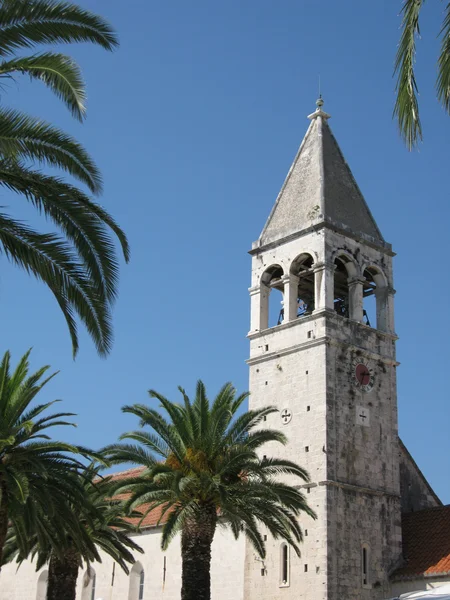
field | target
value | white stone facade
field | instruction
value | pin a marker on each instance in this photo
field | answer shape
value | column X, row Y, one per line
column 162, row 573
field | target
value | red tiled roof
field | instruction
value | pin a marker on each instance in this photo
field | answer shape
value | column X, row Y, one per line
column 426, row 543
column 126, row 474
column 150, row 520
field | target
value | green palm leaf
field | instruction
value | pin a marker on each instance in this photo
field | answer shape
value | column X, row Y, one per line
column 202, row 468
column 83, row 222
column 49, row 259
column 81, row 270
column 443, row 80
column 24, row 137
column 60, row 73
column 35, row 471
column 25, row 23
column 406, row 107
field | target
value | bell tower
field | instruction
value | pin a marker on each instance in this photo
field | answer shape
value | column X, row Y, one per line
column 327, row 361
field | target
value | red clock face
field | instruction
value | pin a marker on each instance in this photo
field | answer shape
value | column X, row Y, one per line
column 362, row 374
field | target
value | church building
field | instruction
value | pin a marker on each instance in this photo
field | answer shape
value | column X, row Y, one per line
column 326, row 357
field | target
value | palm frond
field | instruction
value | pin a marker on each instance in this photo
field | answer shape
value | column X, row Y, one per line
column 82, row 221
column 122, row 453
column 406, row 108
column 80, row 528
column 151, row 442
column 40, row 476
column 211, row 467
column 60, row 73
column 178, row 417
column 152, row 418
column 49, row 259
column 443, row 80
column 239, row 430
column 25, row 23
column 24, row 137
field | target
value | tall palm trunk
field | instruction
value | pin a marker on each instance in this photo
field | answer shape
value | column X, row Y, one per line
column 3, row 518
column 62, row 576
column 196, row 540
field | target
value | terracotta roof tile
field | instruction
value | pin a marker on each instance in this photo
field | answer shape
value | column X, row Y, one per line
column 150, row 520
column 125, row 474
column 426, row 543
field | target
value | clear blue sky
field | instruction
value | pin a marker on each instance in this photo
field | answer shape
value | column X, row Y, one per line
column 194, row 122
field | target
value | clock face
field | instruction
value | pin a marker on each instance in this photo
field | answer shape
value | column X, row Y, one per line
column 363, row 376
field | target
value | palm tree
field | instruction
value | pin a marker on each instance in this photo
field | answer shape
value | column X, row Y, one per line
column 34, row 470
column 80, row 266
column 65, row 543
column 406, row 106
column 202, row 468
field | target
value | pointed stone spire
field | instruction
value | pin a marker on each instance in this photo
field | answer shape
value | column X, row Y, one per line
column 320, row 188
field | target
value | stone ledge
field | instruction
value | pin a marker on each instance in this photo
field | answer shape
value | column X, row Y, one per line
column 358, row 488
column 270, row 355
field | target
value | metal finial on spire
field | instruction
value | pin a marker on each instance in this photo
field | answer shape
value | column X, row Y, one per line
column 319, row 112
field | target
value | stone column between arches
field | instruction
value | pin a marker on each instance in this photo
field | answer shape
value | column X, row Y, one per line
column 355, row 295
column 324, row 286
column 259, row 307
column 385, row 308
column 290, row 283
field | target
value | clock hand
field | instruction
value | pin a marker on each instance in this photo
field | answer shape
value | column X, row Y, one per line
column 365, row 375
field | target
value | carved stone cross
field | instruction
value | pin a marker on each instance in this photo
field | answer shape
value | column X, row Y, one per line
column 363, row 416
column 286, row 416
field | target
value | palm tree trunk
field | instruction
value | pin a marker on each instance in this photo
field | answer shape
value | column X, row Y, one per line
column 3, row 518
column 62, row 576
column 196, row 540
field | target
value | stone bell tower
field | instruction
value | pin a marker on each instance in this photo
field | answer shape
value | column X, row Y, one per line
column 329, row 365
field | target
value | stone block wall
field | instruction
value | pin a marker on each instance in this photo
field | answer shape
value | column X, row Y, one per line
column 357, row 520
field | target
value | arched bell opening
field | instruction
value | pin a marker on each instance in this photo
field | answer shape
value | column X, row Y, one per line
column 341, row 298
column 272, row 297
column 302, row 281
column 369, row 299
column 375, row 298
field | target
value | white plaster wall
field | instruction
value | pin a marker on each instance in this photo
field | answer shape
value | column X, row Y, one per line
column 288, row 370
column 19, row 584
column 227, row 572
